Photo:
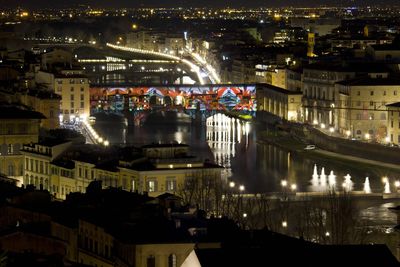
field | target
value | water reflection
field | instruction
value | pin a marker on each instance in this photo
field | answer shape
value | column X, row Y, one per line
column 261, row 167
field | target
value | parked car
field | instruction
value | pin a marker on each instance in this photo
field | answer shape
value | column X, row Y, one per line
column 309, row 147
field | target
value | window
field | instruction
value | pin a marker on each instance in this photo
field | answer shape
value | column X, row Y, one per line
column 394, row 92
column 358, row 132
column 10, row 169
column 172, row 260
column 59, row 81
column 384, row 92
column 371, row 93
column 151, row 186
column 72, row 105
column 371, row 103
column 82, row 104
column 72, row 97
column 82, row 89
column 151, row 261
column 171, row 185
column 391, row 124
column 72, row 111
column 41, row 167
column 82, row 97
column 10, row 149
column 133, row 185
column 358, row 116
column 72, row 89
column 80, row 172
column 358, row 93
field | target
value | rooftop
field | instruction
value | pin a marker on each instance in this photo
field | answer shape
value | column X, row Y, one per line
column 12, row 112
column 369, row 81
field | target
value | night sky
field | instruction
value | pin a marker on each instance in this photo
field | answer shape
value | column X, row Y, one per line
column 175, row 3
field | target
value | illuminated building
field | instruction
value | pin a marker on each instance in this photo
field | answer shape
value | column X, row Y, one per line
column 73, row 87
column 18, row 127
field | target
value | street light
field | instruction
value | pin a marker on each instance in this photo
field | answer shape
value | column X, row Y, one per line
column 244, row 215
column 284, row 224
column 293, row 187
column 241, row 188
column 106, row 143
column 232, row 184
column 327, row 234
column 284, row 183
column 397, row 184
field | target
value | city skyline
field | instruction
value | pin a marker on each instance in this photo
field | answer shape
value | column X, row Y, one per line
column 185, row 3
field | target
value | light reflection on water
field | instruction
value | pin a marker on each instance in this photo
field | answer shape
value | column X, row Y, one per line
column 233, row 144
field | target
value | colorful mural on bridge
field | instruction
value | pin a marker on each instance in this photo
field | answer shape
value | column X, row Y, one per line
column 222, row 97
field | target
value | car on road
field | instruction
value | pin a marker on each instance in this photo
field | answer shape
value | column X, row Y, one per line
column 310, row 147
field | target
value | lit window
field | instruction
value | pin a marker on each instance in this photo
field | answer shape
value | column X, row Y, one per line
column 171, row 185
column 171, row 166
column 10, row 149
column 152, row 186
column 189, row 165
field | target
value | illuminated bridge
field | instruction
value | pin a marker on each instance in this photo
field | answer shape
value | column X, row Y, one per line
column 206, row 100
column 112, row 66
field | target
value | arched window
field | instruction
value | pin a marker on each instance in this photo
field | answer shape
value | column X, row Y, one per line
column 151, row 261
column 10, row 169
column 172, row 260
column 46, row 184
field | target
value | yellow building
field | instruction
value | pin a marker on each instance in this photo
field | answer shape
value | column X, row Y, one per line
column 17, row 127
column 37, row 158
column 46, row 103
column 393, row 123
column 66, row 231
column 275, row 76
column 279, row 102
column 42, row 101
column 95, row 245
column 365, row 101
column 62, row 178
column 73, row 87
column 75, row 169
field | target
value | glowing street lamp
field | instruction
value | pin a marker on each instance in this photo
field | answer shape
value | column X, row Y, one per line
column 106, row 143
column 284, row 183
column 232, row 184
column 284, row 224
column 327, row 234
column 293, row 187
column 241, row 188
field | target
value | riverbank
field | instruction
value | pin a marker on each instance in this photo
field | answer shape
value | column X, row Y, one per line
column 287, row 142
